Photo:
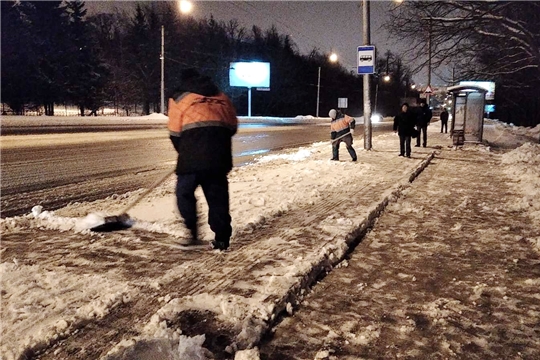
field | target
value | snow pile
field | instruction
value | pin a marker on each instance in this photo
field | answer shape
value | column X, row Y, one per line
column 251, row 354
column 523, row 165
column 57, row 302
column 40, row 219
column 532, row 132
column 190, row 348
column 156, row 116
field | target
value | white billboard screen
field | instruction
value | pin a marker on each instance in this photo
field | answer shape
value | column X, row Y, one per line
column 249, row 74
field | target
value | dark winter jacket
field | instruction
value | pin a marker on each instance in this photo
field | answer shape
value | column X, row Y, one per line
column 424, row 116
column 404, row 123
column 202, row 121
column 341, row 125
column 444, row 116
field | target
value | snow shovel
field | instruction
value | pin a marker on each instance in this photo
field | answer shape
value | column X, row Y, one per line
column 341, row 137
column 123, row 221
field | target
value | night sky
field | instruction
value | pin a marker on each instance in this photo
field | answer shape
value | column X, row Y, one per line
column 327, row 25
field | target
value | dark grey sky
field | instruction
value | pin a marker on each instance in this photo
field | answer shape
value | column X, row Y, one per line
column 328, row 25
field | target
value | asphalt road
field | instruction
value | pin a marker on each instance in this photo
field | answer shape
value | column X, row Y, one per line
column 54, row 169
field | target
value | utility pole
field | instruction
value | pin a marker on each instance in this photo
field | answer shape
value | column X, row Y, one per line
column 367, row 100
column 162, row 57
column 318, row 91
column 428, row 95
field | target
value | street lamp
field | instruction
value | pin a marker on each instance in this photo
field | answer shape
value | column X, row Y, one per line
column 333, row 58
column 185, row 7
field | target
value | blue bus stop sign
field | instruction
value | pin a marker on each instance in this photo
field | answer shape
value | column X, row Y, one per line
column 366, row 59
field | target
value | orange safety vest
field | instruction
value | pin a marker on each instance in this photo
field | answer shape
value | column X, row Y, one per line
column 341, row 124
column 192, row 110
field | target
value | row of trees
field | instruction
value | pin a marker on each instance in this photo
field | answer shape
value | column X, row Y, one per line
column 47, row 56
column 483, row 40
column 52, row 53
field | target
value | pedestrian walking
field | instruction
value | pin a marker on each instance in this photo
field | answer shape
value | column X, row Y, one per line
column 422, row 122
column 202, row 121
column 404, row 124
column 444, row 121
column 342, row 128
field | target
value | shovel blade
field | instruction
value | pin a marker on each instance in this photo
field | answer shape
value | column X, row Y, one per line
column 113, row 223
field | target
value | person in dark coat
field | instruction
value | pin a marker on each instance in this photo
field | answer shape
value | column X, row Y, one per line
column 202, row 121
column 422, row 122
column 444, row 120
column 404, row 124
column 341, row 130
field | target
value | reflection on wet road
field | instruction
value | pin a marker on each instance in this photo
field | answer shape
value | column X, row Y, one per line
column 55, row 169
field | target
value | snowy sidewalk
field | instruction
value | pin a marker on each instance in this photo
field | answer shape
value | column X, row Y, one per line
column 145, row 282
column 295, row 215
column 448, row 272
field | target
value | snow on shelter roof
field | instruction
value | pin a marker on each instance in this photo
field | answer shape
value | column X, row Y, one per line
column 469, row 88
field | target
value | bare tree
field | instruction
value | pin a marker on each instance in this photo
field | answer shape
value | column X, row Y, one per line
column 464, row 32
column 488, row 40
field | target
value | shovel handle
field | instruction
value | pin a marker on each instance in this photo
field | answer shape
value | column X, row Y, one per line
column 341, row 137
column 147, row 191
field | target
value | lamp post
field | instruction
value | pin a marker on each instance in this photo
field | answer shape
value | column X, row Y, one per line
column 386, row 78
column 185, row 7
column 333, row 58
column 318, row 91
column 162, row 58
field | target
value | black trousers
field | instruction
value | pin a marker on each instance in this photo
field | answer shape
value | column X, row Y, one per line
column 422, row 131
column 444, row 125
column 348, row 140
column 405, row 145
column 216, row 191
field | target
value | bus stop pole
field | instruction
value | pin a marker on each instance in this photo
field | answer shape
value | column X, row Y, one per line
column 367, row 100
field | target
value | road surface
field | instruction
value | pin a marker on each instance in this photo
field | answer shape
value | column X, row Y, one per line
column 54, row 169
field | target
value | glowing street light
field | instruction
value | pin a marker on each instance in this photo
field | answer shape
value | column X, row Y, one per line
column 413, row 86
column 185, row 6
column 386, row 78
column 333, row 57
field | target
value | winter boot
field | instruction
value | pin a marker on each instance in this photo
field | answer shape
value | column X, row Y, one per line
column 220, row 243
column 193, row 238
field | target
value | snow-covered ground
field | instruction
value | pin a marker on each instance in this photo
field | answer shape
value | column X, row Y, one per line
column 40, row 303
column 154, row 118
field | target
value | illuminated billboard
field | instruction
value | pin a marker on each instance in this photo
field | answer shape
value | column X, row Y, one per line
column 487, row 85
column 249, row 74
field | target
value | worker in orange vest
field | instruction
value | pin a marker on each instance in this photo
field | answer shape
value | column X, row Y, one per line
column 202, row 121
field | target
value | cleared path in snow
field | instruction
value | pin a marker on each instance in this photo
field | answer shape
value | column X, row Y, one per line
column 446, row 273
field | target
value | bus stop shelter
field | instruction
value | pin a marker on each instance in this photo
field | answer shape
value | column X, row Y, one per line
column 467, row 113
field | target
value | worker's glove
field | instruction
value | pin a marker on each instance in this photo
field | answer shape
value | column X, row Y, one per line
column 352, row 131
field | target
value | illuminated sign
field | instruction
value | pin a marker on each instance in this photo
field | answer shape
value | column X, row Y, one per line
column 250, row 74
column 487, row 85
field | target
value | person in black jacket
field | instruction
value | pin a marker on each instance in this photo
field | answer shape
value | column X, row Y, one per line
column 444, row 120
column 202, row 121
column 404, row 124
column 424, row 118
